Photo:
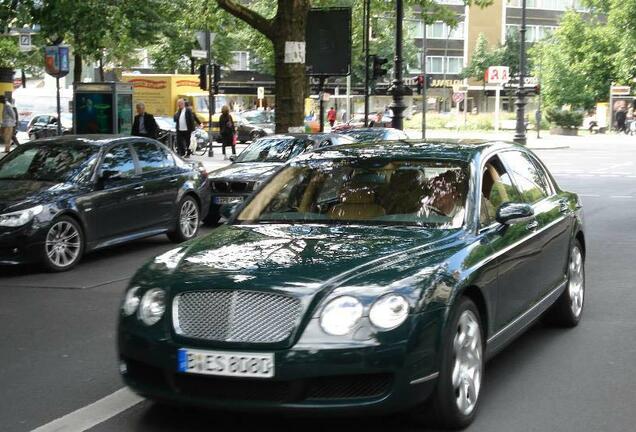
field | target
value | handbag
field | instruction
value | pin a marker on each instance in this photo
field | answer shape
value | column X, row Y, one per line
column 234, row 139
column 193, row 143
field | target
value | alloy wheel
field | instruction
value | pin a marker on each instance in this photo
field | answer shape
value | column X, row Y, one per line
column 189, row 218
column 63, row 244
column 467, row 368
column 576, row 285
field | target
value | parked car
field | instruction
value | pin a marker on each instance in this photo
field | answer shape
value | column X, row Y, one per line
column 375, row 134
column 62, row 197
column 168, row 134
column 357, row 121
column 374, row 278
column 254, row 124
column 256, row 163
column 45, row 125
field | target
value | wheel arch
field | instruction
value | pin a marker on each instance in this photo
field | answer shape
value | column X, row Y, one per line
column 77, row 218
column 581, row 238
column 475, row 294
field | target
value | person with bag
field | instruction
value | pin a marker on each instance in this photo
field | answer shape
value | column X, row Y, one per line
column 185, row 121
column 227, row 130
column 9, row 122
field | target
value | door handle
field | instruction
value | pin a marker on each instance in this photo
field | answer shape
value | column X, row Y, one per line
column 564, row 206
column 138, row 188
column 174, row 180
column 532, row 225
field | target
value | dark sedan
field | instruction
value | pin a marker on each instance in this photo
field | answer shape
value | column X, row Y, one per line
column 365, row 277
column 254, row 124
column 62, row 197
column 257, row 162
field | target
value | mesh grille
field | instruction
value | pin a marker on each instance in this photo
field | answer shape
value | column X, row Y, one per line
column 232, row 187
column 235, row 316
column 349, row 387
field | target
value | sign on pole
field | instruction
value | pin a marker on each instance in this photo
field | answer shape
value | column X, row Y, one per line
column 56, row 61
column 620, row 90
column 458, row 97
column 498, row 74
column 260, row 93
column 25, row 42
column 199, row 53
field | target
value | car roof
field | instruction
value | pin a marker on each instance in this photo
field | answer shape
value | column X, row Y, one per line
column 97, row 140
column 456, row 149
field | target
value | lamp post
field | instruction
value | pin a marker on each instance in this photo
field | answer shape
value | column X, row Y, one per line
column 520, row 103
column 398, row 90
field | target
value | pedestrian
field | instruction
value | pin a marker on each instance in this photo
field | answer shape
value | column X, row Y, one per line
column 185, row 123
column 621, row 118
column 227, row 130
column 9, row 122
column 144, row 124
column 331, row 116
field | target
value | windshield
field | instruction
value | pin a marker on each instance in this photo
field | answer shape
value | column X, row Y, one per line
column 258, row 116
column 273, row 149
column 381, row 192
column 54, row 163
column 365, row 134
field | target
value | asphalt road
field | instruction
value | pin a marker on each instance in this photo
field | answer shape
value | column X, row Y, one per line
column 57, row 346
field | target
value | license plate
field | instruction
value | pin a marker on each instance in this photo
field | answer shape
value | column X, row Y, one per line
column 253, row 365
column 227, row 199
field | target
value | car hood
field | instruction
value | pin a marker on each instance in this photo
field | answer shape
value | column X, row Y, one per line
column 293, row 259
column 246, row 171
column 19, row 194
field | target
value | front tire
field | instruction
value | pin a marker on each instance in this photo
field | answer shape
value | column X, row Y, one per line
column 63, row 246
column 187, row 223
column 455, row 400
column 568, row 308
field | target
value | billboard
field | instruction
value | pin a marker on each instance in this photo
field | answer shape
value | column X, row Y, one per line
column 56, row 61
column 328, row 41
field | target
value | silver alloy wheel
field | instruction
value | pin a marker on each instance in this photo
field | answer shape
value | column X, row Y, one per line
column 467, row 355
column 189, row 218
column 63, row 244
column 576, row 284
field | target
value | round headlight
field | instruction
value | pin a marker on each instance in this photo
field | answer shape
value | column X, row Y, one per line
column 152, row 306
column 389, row 311
column 340, row 315
column 131, row 301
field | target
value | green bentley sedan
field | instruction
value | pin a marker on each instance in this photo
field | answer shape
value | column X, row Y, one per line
column 364, row 277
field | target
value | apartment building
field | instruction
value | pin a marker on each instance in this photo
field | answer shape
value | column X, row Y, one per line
column 448, row 49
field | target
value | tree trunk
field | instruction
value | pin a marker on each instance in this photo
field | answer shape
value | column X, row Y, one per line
column 290, row 22
column 77, row 68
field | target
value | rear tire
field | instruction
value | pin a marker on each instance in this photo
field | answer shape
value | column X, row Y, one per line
column 63, row 246
column 568, row 308
column 455, row 400
column 188, row 221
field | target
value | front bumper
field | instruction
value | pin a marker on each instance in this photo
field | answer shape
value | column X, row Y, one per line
column 21, row 245
column 340, row 379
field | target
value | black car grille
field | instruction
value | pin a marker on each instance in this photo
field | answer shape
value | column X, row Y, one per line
column 237, row 389
column 232, row 187
column 235, row 316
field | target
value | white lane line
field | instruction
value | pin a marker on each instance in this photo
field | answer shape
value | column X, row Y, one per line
column 620, row 196
column 589, row 195
column 608, row 175
column 93, row 414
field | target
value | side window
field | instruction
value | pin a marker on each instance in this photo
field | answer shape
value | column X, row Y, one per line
column 497, row 188
column 119, row 158
column 531, row 181
column 150, row 157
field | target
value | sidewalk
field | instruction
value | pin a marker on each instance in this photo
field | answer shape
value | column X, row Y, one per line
column 546, row 141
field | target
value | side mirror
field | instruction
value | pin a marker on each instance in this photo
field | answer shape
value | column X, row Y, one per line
column 228, row 210
column 514, row 213
column 233, row 158
column 110, row 175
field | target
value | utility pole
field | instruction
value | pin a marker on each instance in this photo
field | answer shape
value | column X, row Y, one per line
column 520, row 135
column 211, row 103
column 397, row 88
column 424, row 80
column 365, row 41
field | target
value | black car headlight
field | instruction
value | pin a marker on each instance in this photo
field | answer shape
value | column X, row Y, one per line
column 21, row 217
column 341, row 315
column 152, row 306
column 131, row 301
column 389, row 311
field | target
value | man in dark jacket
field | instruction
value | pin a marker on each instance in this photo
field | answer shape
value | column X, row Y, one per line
column 144, row 124
column 185, row 122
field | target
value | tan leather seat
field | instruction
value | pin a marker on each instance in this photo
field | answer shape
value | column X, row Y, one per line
column 357, row 204
column 404, row 192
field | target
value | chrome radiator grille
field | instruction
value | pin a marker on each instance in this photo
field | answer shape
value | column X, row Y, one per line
column 235, row 316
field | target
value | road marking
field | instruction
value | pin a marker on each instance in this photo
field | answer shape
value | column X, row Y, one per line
column 620, row 196
column 93, row 414
column 589, row 195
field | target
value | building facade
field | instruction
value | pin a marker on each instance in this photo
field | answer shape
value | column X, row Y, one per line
column 449, row 49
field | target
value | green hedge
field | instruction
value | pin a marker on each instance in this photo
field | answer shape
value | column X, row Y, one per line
column 564, row 119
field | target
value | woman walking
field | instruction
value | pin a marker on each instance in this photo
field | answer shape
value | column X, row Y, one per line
column 227, row 130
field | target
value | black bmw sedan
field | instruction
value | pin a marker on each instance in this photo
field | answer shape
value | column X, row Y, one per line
column 62, row 197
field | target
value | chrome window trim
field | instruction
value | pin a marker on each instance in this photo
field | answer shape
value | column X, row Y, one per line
column 424, row 379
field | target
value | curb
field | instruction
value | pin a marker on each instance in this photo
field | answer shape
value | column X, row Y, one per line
column 549, row 148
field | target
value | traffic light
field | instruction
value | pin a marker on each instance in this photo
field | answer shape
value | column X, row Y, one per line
column 216, row 78
column 203, row 77
column 378, row 70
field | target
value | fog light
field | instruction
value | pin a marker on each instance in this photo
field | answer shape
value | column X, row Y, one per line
column 123, row 367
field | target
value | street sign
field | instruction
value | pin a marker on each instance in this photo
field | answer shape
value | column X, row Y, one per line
column 620, row 90
column 498, row 74
column 199, row 53
column 458, row 97
column 25, row 42
column 56, row 61
column 260, row 92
